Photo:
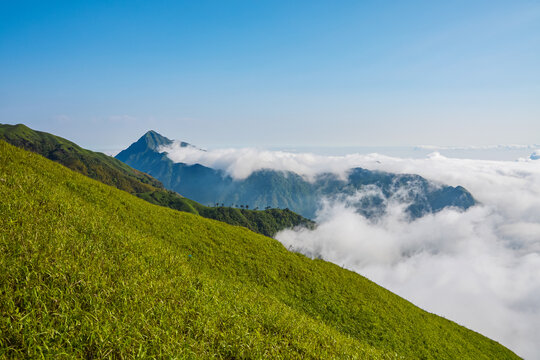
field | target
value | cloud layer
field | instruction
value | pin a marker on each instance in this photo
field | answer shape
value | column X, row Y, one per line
column 240, row 163
column 479, row 268
column 478, row 147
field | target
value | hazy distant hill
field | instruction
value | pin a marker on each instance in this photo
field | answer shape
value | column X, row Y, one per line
column 113, row 172
column 89, row 271
column 289, row 190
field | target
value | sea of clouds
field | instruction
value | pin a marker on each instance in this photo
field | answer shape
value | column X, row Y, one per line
column 480, row 267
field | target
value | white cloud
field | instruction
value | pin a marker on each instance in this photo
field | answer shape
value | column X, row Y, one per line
column 479, row 267
column 477, row 147
column 240, row 163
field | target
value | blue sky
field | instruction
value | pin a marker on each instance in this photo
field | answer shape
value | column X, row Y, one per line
column 274, row 73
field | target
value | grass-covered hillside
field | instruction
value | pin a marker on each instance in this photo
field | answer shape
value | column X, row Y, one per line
column 96, row 165
column 88, row 271
column 114, row 172
column 267, row 222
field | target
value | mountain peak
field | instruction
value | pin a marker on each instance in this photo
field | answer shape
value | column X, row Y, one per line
column 153, row 140
column 150, row 141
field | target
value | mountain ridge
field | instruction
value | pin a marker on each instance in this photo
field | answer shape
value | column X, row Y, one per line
column 286, row 189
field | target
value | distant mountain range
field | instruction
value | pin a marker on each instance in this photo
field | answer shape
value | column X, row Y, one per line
column 285, row 189
column 111, row 171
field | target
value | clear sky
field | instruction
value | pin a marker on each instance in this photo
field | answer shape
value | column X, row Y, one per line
column 274, row 73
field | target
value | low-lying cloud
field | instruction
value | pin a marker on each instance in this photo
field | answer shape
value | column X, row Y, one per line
column 479, row 267
column 240, row 163
column 478, row 147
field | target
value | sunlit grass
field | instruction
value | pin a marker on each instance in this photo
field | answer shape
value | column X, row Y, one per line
column 88, row 271
column 111, row 171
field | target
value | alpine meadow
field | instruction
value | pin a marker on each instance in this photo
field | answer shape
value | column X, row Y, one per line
column 90, row 271
column 269, row 179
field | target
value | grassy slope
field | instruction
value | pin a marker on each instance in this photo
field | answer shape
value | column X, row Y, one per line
column 113, row 172
column 90, row 271
column 96, row 165
column 266, row 222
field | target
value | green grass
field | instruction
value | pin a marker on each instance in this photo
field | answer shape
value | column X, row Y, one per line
column 267, row 222
column 111, row 171
column 88, row 271
column 96, row 165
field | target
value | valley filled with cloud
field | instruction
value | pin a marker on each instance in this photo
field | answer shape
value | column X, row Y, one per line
column 478, row 267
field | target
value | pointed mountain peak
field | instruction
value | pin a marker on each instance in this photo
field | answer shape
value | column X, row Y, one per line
column 153, row 140
column 150, row 141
